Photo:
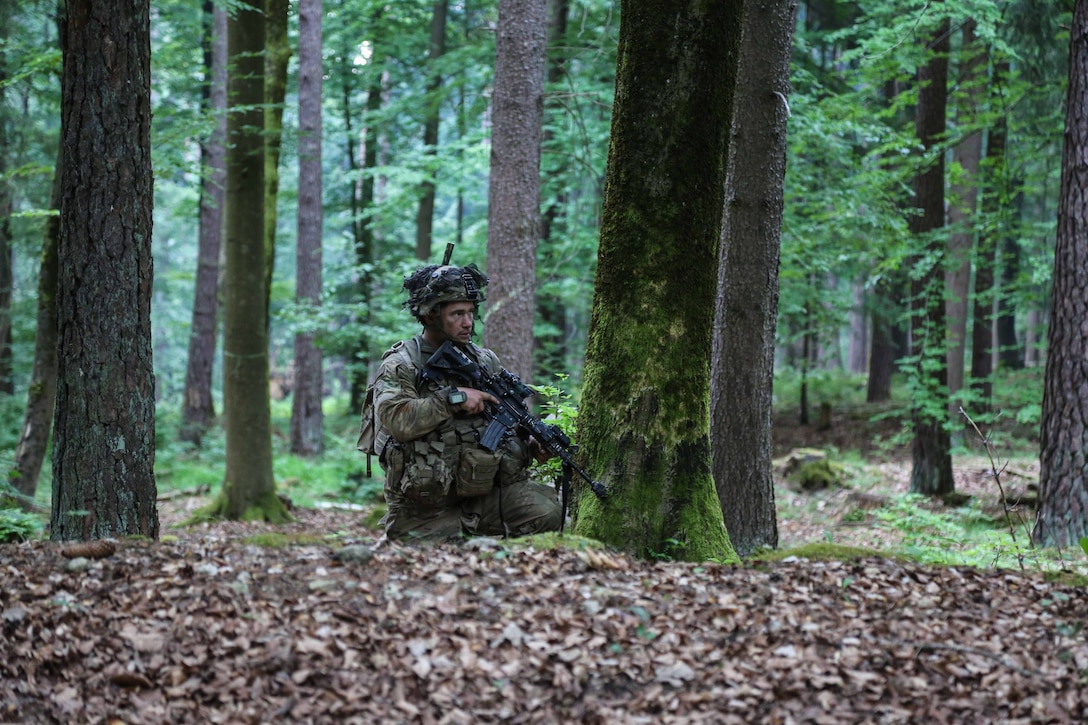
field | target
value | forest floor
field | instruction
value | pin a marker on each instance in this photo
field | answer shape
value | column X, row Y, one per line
column 319, row 622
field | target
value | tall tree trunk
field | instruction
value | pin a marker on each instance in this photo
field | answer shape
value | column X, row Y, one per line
column 7, row 384
column 962, row 213
column 425, row 213
column 645, row 415
column 249, row 490
column 361, row 200
column 277, row 54
column 513, row 206
column 857, row 356
column 42, row 394
column 1008, row 345
column 307, row 420
column 550, row 349
column 1062, row 516
column 889, row 338
column 742, row 363
column 104, row 445
column 198, row 408
column 931, row 470
column 995, row 189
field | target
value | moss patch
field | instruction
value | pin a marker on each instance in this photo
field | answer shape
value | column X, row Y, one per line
column 823, row 552
column 554, row 540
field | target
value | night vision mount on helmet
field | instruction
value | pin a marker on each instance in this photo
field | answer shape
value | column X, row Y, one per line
column 436, row 284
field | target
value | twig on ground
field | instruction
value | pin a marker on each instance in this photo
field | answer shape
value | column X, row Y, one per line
column 987, row 443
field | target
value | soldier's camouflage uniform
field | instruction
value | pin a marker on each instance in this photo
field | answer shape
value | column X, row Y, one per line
column 439, row 482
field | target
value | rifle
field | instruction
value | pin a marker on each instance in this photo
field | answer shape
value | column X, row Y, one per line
column 510, row 413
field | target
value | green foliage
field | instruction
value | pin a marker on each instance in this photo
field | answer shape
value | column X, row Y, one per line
column 818, row 551
column 16, row 525
column 960, row 536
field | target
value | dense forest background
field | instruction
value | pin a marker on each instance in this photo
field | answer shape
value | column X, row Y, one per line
column 407, row 143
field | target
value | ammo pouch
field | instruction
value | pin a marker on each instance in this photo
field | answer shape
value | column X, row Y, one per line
column 427, row 478
column 476, row 471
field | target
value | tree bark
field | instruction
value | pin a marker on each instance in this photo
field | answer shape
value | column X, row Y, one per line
column 513, row 215
column 7, row 384
column 425, row 213
column 104, row 446
column 1062, row 515
column 742, row 364
column 962, row 213
column 1008, row 345
column 277, row 54
column 645, row 413
column 198, row 408
column 307, row 420
column 995, row 189
column 889, row 338
column 41, row 396
column 248, row 491
column 931, row 471
column 857, row 356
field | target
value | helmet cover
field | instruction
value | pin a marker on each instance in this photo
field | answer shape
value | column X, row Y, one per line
column 437, row 284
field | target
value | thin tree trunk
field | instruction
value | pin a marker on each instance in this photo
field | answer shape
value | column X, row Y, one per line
column 931, row 471
column 42, row 394
column 889, row 339
column 425, row 213
column 249, row 490
column 513, row 215
column 550, row 349
column 307, row 420
column 277, row 54
column 1008, row 350
column 961, row 215
column 7, row 384
column 198, row 407
column 994, row 191
column 857, row 356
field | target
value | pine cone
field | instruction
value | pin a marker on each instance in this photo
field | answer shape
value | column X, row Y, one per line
column 99, row 549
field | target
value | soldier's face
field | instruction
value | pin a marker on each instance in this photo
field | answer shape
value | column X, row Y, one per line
column 456, row 319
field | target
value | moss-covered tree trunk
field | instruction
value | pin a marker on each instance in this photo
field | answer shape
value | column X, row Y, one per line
column 104, row 442
column 248, row 489
column 645, row 417
column 277, row 54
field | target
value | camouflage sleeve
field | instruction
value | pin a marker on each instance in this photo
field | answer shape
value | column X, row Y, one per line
column 401, row 409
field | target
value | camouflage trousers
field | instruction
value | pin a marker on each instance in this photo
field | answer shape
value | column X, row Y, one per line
column 524, row 507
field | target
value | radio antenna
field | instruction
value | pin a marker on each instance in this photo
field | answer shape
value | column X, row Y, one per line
column 448, row 254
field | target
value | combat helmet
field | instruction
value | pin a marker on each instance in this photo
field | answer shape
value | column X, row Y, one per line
column 436, row 284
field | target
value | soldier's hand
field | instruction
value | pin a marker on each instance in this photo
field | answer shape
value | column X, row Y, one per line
column 475, row 401
column 540, row 453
